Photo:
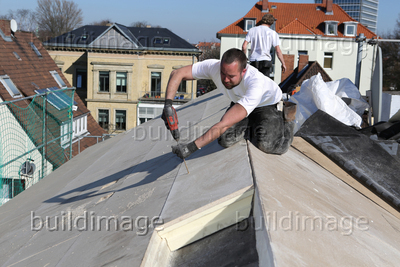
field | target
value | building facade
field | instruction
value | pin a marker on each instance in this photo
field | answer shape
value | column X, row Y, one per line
column 326, row 34
column 364, row 11
column 122, row 72
column 43, row 123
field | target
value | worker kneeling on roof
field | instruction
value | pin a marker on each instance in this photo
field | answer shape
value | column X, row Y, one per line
column 253, row 112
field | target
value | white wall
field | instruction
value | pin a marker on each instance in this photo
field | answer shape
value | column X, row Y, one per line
column 344, row 55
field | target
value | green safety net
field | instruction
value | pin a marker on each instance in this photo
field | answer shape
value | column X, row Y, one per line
column 35, row 138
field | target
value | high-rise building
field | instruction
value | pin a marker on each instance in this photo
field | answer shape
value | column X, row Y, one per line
column 364, row 11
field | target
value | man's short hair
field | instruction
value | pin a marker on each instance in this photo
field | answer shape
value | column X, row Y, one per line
column 235, row 54
column 268, row 19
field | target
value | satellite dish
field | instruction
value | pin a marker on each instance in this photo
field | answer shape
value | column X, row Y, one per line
column 13, row 25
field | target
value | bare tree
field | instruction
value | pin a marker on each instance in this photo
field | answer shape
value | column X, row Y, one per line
column 25, row 19
column 55, row 17
column 103, row 22
column 391, row 58
column 211, row 50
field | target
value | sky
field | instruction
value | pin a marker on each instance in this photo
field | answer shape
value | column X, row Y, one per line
column 196, row 21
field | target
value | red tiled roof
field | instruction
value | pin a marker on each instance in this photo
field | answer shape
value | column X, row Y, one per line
column 298, row 19
column 32, row 70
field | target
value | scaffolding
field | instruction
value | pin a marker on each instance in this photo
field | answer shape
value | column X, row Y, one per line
column 35, row 138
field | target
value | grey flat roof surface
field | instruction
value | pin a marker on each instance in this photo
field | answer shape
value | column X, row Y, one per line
column 126, row 179
column 129, row 179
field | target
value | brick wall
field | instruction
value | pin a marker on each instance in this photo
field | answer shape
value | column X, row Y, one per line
column 5, row 27
column 289, row 62
column 303, row 61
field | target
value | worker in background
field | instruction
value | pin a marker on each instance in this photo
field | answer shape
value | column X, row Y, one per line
column 262, row 38
column 253, row 112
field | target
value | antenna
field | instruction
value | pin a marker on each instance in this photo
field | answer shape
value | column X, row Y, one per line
column 13, row 25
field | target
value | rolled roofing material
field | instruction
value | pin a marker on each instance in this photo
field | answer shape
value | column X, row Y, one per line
column 364, row 158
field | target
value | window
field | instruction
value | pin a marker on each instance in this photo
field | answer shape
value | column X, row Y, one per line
column 148, row 112
column 58, row 99
column 80, row 126
column 121, row 82
column 350, row 28
column 331, row 27
column 182, row 87
column 104, row 118
column 248, row 24
column 34, row 48
column 65, row 133
column 104, row 81
column 328, row 58
column 58, row 79
column 10, row 86
column 158, row 40
column 81, row 79
column 156, row 84
column 120, row 120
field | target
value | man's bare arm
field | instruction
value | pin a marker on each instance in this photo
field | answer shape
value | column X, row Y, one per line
column 175, row 79
column 244, row 47
column 235, row 114
column 280, row 56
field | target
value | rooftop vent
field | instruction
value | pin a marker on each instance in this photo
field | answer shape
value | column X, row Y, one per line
column 17, row 56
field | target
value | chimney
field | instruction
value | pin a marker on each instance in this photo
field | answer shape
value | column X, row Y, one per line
column 5, row 27
column 303, row 61
column 329, row 4
column 289, row 62
column 264, row 6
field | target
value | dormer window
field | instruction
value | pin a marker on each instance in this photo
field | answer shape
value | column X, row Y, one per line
column 249, row 23
column 158, row 40
column 331, row 27
column 350, row 28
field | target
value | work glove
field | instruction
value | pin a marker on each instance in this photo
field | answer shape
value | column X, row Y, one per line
column 169, row 111
column 184, row 150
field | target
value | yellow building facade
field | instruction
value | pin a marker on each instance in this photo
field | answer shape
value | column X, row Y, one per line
column 123, row 80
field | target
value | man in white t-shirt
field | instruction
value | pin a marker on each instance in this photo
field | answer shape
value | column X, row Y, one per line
column 253, row 110
column 262, row 38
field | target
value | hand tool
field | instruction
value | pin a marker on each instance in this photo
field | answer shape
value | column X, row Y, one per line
column 173, row 127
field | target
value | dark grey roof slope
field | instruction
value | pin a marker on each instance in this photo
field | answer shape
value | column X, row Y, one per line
column 143, row 38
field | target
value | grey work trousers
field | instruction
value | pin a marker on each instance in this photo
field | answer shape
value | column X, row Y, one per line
column 265, row 127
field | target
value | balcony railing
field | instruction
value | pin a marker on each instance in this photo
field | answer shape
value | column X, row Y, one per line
column 151, row 95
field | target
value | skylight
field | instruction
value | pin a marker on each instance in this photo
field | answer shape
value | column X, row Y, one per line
column 58, row 79
column 58, row 98
column 10, row 86
column 35, row 49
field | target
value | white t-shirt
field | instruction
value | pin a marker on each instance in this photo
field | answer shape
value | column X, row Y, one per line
column 262, row 38
column 255, row 89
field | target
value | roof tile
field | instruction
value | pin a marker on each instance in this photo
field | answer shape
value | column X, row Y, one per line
column 290, row 17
